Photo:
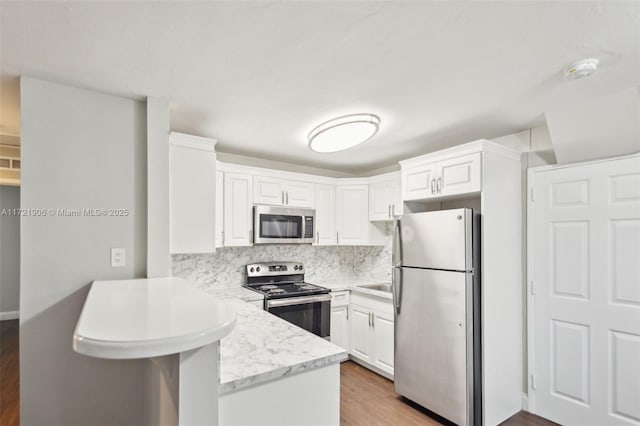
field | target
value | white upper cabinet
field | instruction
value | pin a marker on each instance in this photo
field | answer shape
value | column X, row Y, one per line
column 384, row 197
column 282, row 192
column 192, row 194
column 442, row 174
column 219, row 241
column 325, row 214
column 418, row 182
column 238, row 209
column 460, row 175
column 352, row 214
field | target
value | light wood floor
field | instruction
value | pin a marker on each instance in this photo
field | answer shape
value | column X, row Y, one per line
column 369, row 399
column 365, row 398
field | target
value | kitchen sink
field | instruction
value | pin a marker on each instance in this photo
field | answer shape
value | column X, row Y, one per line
column 380, row 287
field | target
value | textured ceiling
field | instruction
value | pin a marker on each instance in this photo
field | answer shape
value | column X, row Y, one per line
column 258, row 76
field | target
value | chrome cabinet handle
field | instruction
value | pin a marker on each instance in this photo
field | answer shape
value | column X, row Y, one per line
column 337, row 237
column 369, row 317
column 318, row 237
column 439, row 187
column 286, row 197
column 347, row 313
column 281, row 197
column 373, row 320
column 433, row 182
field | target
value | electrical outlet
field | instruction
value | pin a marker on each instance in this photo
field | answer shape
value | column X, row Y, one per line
column 118, row 258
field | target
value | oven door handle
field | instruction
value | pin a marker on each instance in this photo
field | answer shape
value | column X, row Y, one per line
column 290, row 301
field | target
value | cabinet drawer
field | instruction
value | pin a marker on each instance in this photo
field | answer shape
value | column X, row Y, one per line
column 373, row 303
column 339, row 298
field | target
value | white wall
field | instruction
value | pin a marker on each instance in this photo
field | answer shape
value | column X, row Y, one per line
column 80, row 149
column 9, row 251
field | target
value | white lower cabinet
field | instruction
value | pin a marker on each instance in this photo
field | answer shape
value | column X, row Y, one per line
column 372, row 332
column 340, row 319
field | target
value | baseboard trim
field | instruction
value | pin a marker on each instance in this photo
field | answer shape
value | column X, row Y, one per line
column 10, row 315
column 525, row 402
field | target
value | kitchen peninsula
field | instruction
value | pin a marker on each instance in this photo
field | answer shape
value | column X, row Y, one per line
column 266, row 360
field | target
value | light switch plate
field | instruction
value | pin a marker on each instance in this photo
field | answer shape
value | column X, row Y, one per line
column 118, row 258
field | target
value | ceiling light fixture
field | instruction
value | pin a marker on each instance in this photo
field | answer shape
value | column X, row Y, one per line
column 343, row 132
column 581, row 69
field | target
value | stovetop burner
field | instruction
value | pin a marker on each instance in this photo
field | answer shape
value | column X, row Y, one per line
column 280, row 279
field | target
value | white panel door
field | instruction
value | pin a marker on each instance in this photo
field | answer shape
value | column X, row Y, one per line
column 300, row 194
column 460, row 175
column 361, row 344
column 268, row 191
column 586, row 272
column 418, row 182
column 325, row 214
column 238, row 217
column 340, row 326
column 382, row 324
column 352, row 214
column 380, row 201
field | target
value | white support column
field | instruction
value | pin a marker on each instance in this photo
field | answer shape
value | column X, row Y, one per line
column 198, row 401
column 158, row 258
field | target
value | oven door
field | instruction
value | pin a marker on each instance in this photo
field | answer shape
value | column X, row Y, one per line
column 313, row 313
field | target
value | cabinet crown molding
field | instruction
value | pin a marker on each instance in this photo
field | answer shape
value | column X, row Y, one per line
column 191, row 141
column 481, row 145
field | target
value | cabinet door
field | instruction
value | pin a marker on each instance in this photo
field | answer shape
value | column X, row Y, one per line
column 460, row 175
column 219, row 209
column 238, row 217
column 340, row 326
column 417, row 182
column 300, row 194
column 268, row 190
column 396, row 199
column 380, row 201
column 383, row 341
column 361, row 332
column 352, row 214
column 325, row 215
column 192, row 186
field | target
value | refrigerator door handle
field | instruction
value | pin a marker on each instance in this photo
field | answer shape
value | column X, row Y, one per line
column 396, row 288
column 396, row 255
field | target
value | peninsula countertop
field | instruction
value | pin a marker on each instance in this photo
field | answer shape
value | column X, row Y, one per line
column 263, row 347
column 143, row 318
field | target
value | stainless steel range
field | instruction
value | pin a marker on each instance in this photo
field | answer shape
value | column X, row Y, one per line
column 287, row 296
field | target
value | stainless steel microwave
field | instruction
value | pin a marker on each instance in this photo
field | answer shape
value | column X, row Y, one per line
column 283, row 225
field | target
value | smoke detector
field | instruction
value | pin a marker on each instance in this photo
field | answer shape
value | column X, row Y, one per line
column 581, row 69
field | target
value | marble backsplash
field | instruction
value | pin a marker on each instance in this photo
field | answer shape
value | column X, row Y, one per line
column 225, row 267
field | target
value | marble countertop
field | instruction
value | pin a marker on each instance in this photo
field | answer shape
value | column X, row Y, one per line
column 341, row 284
column 142, row 318
column 240, row 293
column 263, row 347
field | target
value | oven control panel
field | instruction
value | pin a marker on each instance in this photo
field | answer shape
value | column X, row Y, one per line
column 274, row 269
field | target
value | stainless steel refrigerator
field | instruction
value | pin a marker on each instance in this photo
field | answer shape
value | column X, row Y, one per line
column 436, row 292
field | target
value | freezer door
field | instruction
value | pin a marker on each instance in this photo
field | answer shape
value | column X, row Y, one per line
column 434, row 341
column 440, row 240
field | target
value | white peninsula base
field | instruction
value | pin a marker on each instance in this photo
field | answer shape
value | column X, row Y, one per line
column 308, row 398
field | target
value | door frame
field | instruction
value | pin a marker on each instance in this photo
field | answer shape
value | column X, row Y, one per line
column 530, row 288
